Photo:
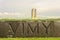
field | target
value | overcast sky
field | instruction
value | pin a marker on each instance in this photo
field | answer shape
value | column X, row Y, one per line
column 22, row 8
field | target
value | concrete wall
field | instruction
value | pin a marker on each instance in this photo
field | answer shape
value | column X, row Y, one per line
column 30, row 29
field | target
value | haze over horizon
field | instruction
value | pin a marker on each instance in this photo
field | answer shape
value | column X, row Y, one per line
column 22, row 8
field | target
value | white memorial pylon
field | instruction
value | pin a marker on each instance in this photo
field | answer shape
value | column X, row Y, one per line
column 33, row 14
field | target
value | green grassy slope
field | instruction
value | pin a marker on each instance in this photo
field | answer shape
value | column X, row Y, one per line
column 7, row 19
column 58, row 38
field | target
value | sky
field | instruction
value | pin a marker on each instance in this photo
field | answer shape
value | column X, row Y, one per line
column 22, row 8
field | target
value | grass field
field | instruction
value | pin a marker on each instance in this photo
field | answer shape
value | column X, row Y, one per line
column 7, row 19
column 52, row 38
